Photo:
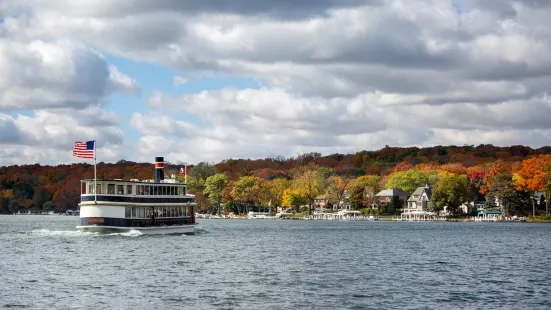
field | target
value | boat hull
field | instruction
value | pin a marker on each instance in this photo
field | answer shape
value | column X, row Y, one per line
column 153, row 230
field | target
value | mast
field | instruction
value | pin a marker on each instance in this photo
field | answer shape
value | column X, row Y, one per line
column 95, row 174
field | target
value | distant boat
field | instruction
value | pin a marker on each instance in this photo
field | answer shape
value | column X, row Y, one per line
column 258, row 215
column 148, row 206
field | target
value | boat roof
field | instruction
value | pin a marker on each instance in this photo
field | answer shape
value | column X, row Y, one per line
column 134, row 181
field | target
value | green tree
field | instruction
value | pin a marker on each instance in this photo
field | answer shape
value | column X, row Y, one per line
column 48, row 206
column 248, row 190
column 202, row 171
column 362, row 190
column 408, row 180
column 325, row 174
column 40, row 196
column 510, row 200
column 214, row 185
column 452, row 191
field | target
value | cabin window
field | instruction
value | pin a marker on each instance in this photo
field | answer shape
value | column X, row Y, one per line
column 180, row 190
column 146, row 192
column 83, row 188
column 129, row 189
column 139, row 189
column 111, row 189
column 98, row 188
column 172, row 191
column 154, row 190
column 91, row 188
column 127, row 211
column 120, row 189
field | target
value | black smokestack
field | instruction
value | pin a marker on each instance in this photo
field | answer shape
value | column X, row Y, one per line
column 159, row 169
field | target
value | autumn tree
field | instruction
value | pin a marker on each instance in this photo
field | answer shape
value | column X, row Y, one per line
column 275, row 189
column 408, row 181
column 247, row 189
column 336, row 188
column 450, row 191
column 476, row 181
column 503, row 190
column 214, row 185
column 494, row 169
column 362, row 190
column 532, row 175
column 308, row 184
column 292, row 198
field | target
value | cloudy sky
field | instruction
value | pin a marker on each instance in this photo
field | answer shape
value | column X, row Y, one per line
column 210, row 80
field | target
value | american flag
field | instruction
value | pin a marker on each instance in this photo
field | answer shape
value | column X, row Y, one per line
column 84, row 149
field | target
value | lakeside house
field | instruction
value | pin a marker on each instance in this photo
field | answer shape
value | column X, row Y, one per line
column 386, row 196
column 418, row 203
column 321, row 202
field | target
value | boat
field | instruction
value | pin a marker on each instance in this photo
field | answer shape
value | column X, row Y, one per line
column 149, row 206
column 258, row 215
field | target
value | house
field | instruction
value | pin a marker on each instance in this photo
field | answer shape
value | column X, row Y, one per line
column 321, row 202
column 419, row 201
column 385, row 197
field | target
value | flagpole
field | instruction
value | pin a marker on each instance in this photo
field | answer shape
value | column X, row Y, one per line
column 95, row 174
column 185, row 174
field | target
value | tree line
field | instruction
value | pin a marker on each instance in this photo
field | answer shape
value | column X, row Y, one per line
column 507, row 175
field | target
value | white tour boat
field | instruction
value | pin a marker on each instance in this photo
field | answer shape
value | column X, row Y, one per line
column 150, row 206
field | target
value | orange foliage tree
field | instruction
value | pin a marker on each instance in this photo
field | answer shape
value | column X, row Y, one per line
column 531, row 175
column 494, row 169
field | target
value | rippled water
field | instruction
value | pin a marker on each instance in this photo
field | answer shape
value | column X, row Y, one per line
column 268, row 264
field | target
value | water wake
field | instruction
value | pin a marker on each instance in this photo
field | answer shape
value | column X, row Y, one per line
column 78, row 233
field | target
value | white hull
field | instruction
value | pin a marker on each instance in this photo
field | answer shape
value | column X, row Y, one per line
column 158, row 230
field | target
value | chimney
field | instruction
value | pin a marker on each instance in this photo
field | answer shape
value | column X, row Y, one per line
column 159, row 169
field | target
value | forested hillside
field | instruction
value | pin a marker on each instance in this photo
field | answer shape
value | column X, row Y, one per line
column 509, row 173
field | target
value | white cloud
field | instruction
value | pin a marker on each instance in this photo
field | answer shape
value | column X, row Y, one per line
column 48, row 136
column 179, row 80
column 265, row 122
column 338, row 75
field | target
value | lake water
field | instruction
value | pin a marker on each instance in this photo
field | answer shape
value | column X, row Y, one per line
column 270, row 264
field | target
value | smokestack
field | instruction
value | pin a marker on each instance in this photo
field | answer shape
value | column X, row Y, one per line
column 159, row 169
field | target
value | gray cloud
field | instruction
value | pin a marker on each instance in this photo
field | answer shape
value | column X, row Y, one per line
column 337, row 75
column 283, row 9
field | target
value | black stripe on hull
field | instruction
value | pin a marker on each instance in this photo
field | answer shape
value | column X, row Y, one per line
column 129, row 222
column 138, row 199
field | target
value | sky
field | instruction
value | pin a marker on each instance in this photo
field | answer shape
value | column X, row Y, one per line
column 207, row 80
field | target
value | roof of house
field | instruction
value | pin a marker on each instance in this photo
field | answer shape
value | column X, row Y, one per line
column 392, row 192
column 419, row 192
column 322, row 197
